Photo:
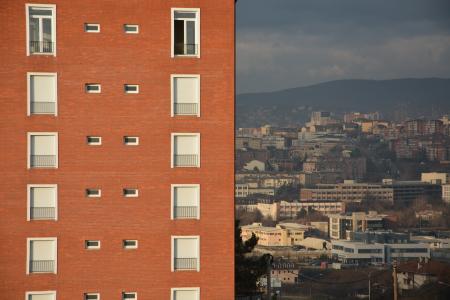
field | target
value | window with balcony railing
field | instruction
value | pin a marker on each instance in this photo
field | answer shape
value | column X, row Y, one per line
column 185, row 95
column 42, row 202
column 186, row 150
column 41, row 29
column 42, row 255
column 185, row 199
column 185, row 32
column 42, row 93
column 185, row 254
column 43, row 150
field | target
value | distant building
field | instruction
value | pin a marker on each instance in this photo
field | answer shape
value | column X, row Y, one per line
column 446, row 193
column 255, row 165
column 246, row 189
column 270, row 141
column 285, row 272
column 436, row 178
column 342, row 225
column 248, row 142
column 415, row 274
column 283, row 235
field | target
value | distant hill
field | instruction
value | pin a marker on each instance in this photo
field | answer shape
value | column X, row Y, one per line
column 395, row 99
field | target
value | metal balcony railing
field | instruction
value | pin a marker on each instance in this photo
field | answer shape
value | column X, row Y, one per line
column 185, row 212
column 186, row 263
column 42, row 213
column 185, row 108
column 186, row 160
column 42, row 107
column 39, row 161
column 42, row 266
column 41, row 47
column 186, row 49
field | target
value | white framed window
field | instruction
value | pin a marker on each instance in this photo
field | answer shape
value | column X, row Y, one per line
column 185, row 95
column 42, row 202
column 93, row 88
column 40, row 295
column 185, row 32
column 91, row 296
column 131, row 140
column 93, row 192
column 41, row 29
column 94, row 140
column 42, row 255
column 131, row 28
column 185, row 253
column 185, row 150
column 130, row 244
column 42, row 93
column 92, row 27
column 92, row 244
column 185, row 293
column 42, row 150
column 131, row 88
column 129, row 296
column 130, row 192
column 185, row 200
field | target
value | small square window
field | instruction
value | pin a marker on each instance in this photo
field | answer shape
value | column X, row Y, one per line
column 130, row 244
column 94, row 140
column 90, row 27
column 129, row 296
column 93, row 193
column 93, row 88
column 91, row 244
column 129, row 192
column 91, row 296
column 131, row 88
column 131, row 140
column 131, row 28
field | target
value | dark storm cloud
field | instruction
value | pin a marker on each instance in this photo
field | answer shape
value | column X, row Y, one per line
column 288, row 43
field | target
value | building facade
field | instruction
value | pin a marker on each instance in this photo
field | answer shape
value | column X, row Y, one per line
column 117, row 169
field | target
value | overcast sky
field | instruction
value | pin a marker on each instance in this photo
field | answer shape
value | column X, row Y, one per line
column 291, row 43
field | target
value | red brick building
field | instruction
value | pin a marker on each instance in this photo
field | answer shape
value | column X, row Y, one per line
column 117, row 154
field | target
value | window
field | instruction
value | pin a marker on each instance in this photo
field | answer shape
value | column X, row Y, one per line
column 185, row 32
column 41, row 255
column 131, row 28
column 91, row 296
column 185, row 201
column 185, row 294
column 185, row 95
column 129, row 192
column 93, row 193
column 94, row 140
column 130, row 244
column 93, row 88
column 89, row 27
column 42, row 201
column 47, row 295
column 131, row 88
column 91, row 244
column 42, row 93
column 129, row 296
column 185, row 150
column 42, row 150
column 185, row 253
column 131, row 140
column 41, row 29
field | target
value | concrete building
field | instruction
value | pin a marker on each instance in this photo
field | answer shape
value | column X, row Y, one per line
column 341, row 225
column 446, row 193
column 378, row 247
column 108, row 145
column 435, row 178
column 283, row 235
column 248, row 142
column 255, row 165
column 247, row 189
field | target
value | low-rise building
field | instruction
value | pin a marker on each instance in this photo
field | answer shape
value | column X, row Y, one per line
column 255, row 165
column 283, row 234
column 341, row 225
column 285, row 272
column 413, row 275
column 246, row 189
column 436, row 178
column 446, row 193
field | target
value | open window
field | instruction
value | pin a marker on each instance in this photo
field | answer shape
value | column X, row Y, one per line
column 41, row 29
column 186, row 32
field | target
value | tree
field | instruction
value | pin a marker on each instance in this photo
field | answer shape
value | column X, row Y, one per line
column 248, row 269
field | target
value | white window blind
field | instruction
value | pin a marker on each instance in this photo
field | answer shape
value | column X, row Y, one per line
column 186, row 145
column 185, row 295
column 43, row 145
column 186, row 196
column 49, row 296
column 42, row 250
column 186, row 90
column 42, row 196
column 42, row 88
column 186, row 248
